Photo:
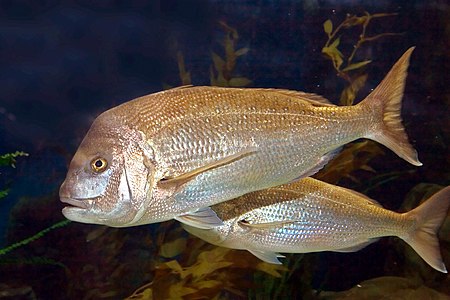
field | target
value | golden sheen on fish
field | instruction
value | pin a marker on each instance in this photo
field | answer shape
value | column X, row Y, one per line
column 311, row 216
column 174, row 153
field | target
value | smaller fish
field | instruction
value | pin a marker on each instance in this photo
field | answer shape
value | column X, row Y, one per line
column 312, row 216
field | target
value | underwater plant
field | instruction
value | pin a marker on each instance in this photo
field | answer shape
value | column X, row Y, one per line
column 9, row 159
column 205, row 271
column 222, row 71
column 345, row 66
column 32, row 238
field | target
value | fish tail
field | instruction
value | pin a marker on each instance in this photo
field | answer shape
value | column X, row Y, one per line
column 386, row 101
column 429, row 217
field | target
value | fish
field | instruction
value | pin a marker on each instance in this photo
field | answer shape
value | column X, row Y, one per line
column 313, row 216
column 173, row 154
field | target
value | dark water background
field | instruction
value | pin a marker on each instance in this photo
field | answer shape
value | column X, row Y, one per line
column 64, row 62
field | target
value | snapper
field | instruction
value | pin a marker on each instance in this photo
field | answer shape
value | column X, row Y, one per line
column 174, row 153
column 311, row 216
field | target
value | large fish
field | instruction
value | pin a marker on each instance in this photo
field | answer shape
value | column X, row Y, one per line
column 174, row 153
column 310, row 216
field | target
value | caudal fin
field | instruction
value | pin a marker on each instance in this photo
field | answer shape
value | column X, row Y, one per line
column 387, row 99
column 429, row 217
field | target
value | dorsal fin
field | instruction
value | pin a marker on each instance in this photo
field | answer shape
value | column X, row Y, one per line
column 314, row 99
column 181, row 87
column 374, row 202
column 311, row 98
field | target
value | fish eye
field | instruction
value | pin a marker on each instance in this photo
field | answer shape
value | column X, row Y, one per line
column 99, row 164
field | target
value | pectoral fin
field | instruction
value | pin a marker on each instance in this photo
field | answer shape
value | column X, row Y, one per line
column 203, row 218
column 186, row 177
column 267, row 256
column 267, row 225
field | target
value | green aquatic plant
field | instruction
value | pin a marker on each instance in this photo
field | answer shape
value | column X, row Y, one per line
column 9, row 159
column 223, row 68
column 222, row 71
column 34, row 237
column 345, row 67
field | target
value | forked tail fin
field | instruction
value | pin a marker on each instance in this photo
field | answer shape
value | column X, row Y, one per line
column 387, row 99
column 429, row 217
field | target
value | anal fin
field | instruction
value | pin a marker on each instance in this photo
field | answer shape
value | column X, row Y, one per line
column 267, row 256
column 357, row 247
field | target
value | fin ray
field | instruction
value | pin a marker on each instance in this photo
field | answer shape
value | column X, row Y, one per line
column 267, row 256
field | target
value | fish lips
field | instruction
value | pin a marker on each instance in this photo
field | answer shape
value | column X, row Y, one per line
column 75, row 203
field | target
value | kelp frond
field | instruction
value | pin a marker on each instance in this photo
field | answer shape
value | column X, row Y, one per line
column 342, row 64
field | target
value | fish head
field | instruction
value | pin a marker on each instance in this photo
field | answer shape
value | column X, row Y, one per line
column 109, row 176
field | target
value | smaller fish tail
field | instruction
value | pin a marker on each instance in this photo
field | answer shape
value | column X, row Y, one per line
column 429, row 217
column 387, row 99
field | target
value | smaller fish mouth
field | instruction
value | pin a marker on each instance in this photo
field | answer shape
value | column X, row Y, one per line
column 78, row 203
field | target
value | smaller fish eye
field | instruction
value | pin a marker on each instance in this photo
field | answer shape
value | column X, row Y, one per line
column 99, row 164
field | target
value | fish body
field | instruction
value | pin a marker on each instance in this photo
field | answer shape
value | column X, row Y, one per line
column 174, row 153
column 311, row 216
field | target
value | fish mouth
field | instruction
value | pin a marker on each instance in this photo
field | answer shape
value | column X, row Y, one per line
column 77, row 203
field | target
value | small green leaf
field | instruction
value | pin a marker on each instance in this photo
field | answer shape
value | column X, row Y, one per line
column 356, row 65
column 4, row 193
column 219, row 63
column 334, row 54
column 336, row 42
column 328, row 27
column 9, row 159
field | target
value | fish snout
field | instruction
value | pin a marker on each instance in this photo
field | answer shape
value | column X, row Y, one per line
column 66, row 196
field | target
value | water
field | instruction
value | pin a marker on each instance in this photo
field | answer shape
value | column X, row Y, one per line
column 61, row 64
